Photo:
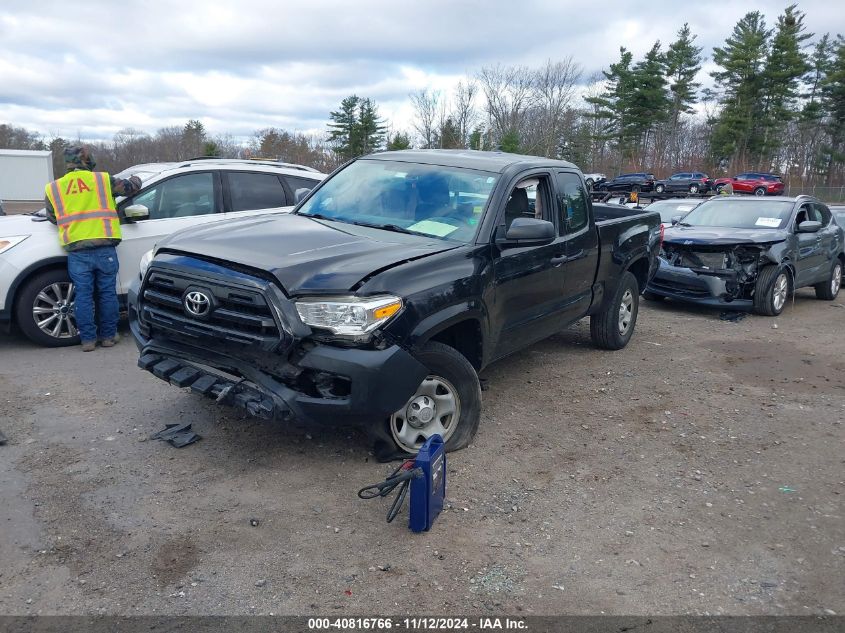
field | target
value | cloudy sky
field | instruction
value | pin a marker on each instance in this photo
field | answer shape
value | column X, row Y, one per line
column 87, row 69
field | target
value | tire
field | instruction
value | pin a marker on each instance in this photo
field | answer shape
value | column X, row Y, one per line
column 760, row 191
column 44, row 309
column 827, row 290
column 451, row 375
column 771, row 290
column 694, row 189
column 650, row 296
column 589, row 183
column 606, row 327
column 659, row 188
column 719, row 188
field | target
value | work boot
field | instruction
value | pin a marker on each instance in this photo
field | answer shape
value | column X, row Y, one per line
column 89, row 346
column 110, row 342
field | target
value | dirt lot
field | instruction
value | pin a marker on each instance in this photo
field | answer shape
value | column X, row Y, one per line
column 700, row 470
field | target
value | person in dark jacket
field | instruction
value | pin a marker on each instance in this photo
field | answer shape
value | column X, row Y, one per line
column 82, row 206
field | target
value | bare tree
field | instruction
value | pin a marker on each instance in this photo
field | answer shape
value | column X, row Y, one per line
column 429, row 115
column 554, row 87
column 509, row 94
column 464, row 115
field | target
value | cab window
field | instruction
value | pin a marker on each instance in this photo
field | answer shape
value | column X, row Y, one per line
column 573, row 204
column 529, row 199
column 191, row 194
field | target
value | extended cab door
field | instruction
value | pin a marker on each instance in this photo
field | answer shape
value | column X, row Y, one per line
column 174, row 203
column 578, row 231
column 528, row 298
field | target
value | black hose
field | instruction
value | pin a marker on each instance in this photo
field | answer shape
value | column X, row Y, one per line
column 401, row 477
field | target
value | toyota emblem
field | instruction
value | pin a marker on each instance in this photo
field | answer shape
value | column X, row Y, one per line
column 197, row 303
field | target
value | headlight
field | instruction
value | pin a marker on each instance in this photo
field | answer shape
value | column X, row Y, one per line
column 10, row 242
column 146, row 258
column 348, row 316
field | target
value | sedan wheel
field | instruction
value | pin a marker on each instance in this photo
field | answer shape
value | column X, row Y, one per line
column 660, row 188
column 693, row 188
column 759, row 191
column 52, row 310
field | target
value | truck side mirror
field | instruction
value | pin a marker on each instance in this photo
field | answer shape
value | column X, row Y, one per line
column 136, row 212
column 809, row 226
column 300, row 194
column 528, row 232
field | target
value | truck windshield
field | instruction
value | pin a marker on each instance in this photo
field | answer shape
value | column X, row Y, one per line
column 441, row 202
column 740, row 214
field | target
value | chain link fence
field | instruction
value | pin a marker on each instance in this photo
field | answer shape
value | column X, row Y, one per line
column 831, row 195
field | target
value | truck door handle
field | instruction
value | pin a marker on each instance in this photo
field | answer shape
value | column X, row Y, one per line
column 558, row 260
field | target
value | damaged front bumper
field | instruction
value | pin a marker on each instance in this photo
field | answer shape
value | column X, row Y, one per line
column 722, row 278
column 322, row 385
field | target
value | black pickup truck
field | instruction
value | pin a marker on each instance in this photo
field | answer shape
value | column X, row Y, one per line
column 390, row 286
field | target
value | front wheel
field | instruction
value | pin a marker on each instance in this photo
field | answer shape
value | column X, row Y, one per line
column 44, row 309
column 771, row 290
column 613, row 327
column 589, row 183
column 827, row 290
column 660, row 188
column 694, row 189
column 760, row 191
column 447, row 402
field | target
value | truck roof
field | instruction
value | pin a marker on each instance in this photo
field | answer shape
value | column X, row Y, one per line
column 471, row 159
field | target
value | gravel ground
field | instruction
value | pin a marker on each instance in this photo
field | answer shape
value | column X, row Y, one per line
column 700, row 470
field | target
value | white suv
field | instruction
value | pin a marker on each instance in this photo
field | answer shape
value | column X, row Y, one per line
column 35, row 291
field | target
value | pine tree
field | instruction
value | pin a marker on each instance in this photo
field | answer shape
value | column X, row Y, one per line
column 398, row 141
column 683, row 61
column 785, row 65
column 833, row 100
column 193, row 139
column 450, row 135
column 649, row 100
column 613, row 106
column 740, row 82
column 356, row 128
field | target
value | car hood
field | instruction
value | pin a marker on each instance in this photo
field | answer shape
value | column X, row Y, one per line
column 306, row 255
column 23, row 225
column 721, row 236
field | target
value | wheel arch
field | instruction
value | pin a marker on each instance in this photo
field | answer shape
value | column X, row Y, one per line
column 464, row 333
column 639, row 268
column 51, row 263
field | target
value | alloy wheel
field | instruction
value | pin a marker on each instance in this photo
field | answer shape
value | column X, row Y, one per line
column 780, row 291
column 53, row 310
column 836, row 280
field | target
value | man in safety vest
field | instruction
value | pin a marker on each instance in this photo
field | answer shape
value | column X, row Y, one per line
column 81, row 205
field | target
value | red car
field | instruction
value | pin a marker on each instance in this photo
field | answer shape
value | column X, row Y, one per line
column 758, row 183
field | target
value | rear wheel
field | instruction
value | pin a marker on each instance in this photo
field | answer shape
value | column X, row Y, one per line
column 694, row 188
column 44, row 310
column 760, row 191
column 827, row 290
column 771, row 291
column 447, row 402
column 660, row 188
column 613, row 327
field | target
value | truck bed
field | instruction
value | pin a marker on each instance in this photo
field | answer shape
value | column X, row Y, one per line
column 606, row 213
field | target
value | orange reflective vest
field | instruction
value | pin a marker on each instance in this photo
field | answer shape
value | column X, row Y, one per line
column 84, row 206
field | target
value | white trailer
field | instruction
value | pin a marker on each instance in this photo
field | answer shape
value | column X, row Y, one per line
column 23, row 174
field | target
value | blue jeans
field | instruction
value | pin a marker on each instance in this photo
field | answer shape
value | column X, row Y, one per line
column 95, row 269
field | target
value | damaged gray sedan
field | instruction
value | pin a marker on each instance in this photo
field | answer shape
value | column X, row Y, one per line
column 751, row 254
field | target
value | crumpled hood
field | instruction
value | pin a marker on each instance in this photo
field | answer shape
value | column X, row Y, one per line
column 304, row 254
column 721, row 236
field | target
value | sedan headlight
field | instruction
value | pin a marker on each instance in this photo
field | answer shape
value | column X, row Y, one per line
column 10, row 242
column 146, row 258
column 348, row 316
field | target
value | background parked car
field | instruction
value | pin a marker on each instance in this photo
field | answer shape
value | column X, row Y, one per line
column 672, row 208
column 35, row 290
column 694, row 182
column 758, row 183
column 1, row 208
column 592, row 179
column 628, row 182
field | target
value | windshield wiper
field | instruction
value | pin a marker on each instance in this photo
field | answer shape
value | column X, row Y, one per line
column 683, row 224
column 390, row 227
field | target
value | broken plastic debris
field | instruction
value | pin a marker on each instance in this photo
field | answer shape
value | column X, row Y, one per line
column 177, row 435
column 732, row 315
column 786, row 489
